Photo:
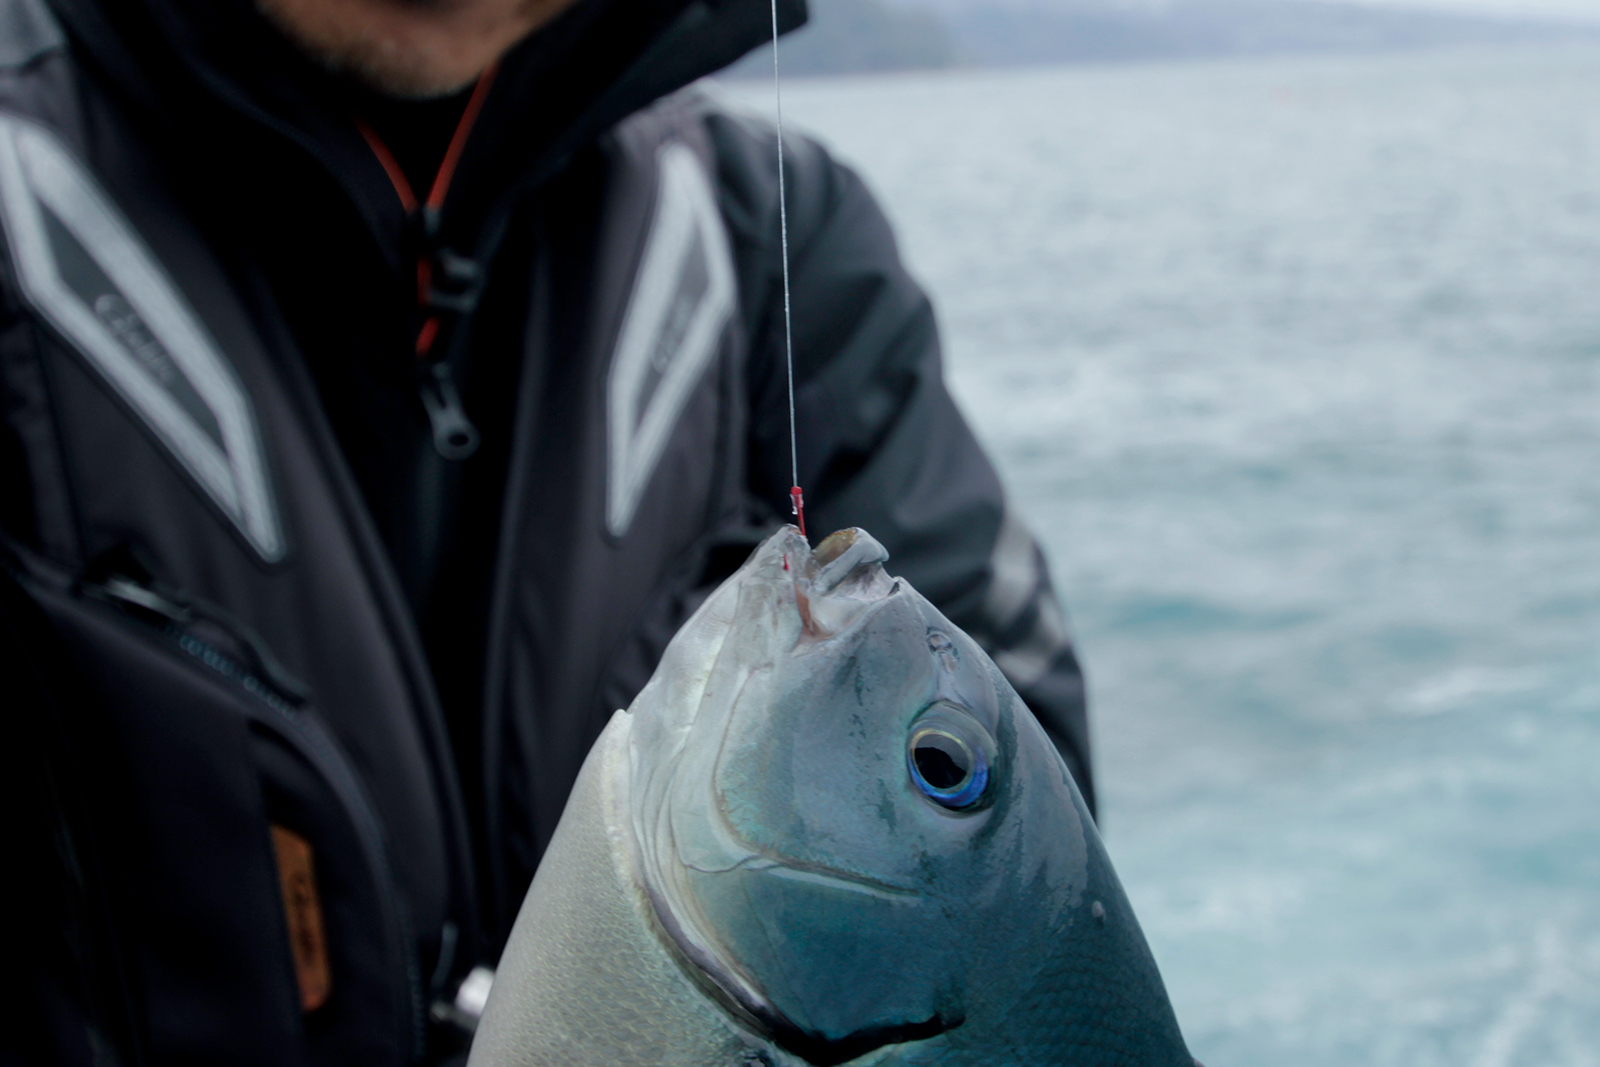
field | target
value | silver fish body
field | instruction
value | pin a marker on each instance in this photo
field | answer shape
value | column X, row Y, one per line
column 826, row 832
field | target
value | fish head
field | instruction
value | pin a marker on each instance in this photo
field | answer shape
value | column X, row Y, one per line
column 847, row 823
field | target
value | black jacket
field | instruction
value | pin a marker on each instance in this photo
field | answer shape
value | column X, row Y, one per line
column 263, row 645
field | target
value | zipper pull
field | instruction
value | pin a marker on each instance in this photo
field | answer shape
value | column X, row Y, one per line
column 141, row 599
column 454, row 436
column 120, row 579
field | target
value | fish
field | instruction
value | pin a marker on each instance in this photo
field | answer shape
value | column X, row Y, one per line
column 827, row 831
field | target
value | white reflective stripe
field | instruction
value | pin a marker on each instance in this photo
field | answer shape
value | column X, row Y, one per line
column 35, row 170
column 669, row 332
column 28, row 29
column 1014, row 573
column 1028, row 661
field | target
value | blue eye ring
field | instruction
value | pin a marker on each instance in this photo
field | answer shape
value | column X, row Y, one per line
column 948, row 758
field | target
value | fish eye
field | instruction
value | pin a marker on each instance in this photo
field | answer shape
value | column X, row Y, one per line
column 948, row 757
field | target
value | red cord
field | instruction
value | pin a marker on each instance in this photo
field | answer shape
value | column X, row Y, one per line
column 391, row 166
column 441, row 185
column 427, row 335
column 458, row 140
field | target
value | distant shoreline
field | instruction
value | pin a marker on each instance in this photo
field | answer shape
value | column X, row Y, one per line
column 875, row 36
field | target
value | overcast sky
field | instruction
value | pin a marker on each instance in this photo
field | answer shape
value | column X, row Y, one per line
column 1584, row 10
column 1588, row 10
column 1578, row 10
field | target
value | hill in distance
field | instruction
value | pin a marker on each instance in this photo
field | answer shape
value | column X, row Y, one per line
column 850, row 36
column 847, row 36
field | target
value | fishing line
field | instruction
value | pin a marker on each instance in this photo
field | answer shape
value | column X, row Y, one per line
column 795, row 496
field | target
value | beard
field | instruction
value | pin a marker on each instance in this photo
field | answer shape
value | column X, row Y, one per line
column 411, row 49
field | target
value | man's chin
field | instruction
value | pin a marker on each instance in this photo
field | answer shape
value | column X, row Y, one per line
column 402, row 74
column 405, row 49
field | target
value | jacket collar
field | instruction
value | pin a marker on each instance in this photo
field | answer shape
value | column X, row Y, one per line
column 188, row 65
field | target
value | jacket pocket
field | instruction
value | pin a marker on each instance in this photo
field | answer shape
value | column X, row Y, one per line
column 215, row 747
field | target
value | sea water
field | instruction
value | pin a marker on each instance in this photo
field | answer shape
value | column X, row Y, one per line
column 1294, row 366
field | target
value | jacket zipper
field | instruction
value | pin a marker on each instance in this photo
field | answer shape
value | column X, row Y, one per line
column 271, row 687
column 389, row 603
column 454, row 435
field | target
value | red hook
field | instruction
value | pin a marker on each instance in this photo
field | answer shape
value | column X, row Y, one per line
column 799, row 509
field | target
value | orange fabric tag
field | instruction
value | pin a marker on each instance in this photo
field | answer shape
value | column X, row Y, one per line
column 303, row 910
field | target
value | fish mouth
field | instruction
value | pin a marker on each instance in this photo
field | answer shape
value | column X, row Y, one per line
column 838, row 582
column 829, row 1052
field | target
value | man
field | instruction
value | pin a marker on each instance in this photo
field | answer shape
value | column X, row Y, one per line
column 383, row 382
